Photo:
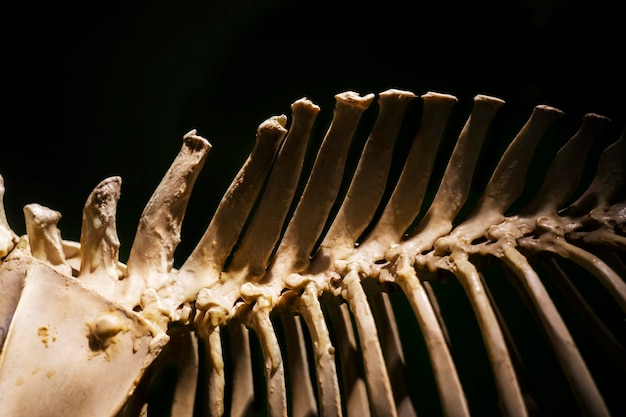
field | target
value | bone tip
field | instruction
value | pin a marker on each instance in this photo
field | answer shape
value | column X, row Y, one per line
column 354, row 99
column 305, row 103
column 549, row 109
column 40, row 214
column 195, row 142
column 113, row 182
column 596, row 117
column 395, row 93
column 432, row 95
column 274, row 124
column 483, row 98
column 107, row 188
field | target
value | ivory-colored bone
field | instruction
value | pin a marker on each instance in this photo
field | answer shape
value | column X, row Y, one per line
column 516, row 359
column 324, row 351
column 589, row 317
column 509, row 393
column 179, row 357
column 256, row 246
column 93, row 353
column 44, row 238
column 303, row 230
column 451, row 393
column 242, row 394
column 506, row 183
column 264, row 230
column 207, row 260
column 354, row 215
column 561, row 180
column 457, row 179
column 432, row 298
column 8, row 238
column 99, row 245
column 574, row 368
column 302, row 398
column 188, row 361
column 566, row 169
column 207, row 322
column 323, row 184
column 602, row 237
column 595, row 205
column 392, row 351
column 215, row 371
column 12, row 283
column 553, row 242
column 370, row 177
column 540, row 215
column 609, row 178
column 259, row 321
column 355, row 389
column 152, row 254
column 406, row 200
column 455, row 184
column 376, row 375
column 504, row 187
column 615, row 262
column 438, row 221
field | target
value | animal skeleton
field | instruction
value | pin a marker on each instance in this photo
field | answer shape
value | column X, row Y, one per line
column 83, row 334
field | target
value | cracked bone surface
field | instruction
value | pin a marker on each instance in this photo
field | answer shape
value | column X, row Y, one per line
column 380, row 289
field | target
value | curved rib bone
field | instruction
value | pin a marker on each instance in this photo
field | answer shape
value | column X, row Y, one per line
column 552, row 242
column 588, row 316
column 354, row 387
column 327, row 383
column 392, row 351
column 303, row 402
column 259, row 320
column 575, row 370
column 242, row 394
column 448, row 385
column 510, row 396
column 377, row 378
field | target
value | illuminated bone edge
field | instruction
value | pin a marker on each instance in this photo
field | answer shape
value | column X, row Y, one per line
column 289, row 266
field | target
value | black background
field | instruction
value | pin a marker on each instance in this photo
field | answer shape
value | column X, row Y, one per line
column 95, row 89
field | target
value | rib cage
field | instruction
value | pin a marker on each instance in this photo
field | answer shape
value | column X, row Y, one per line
column 320, row 275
